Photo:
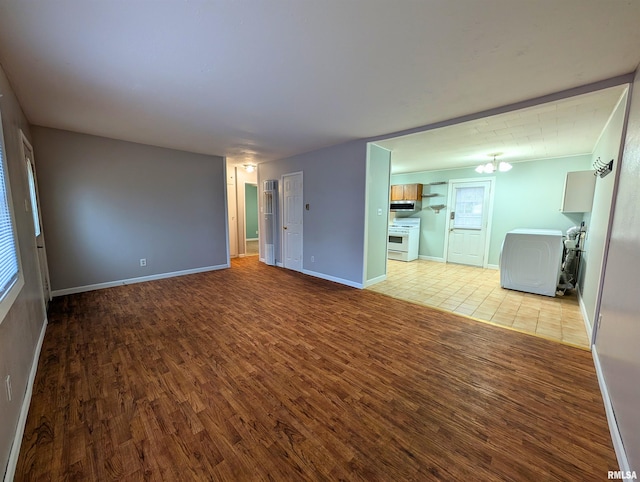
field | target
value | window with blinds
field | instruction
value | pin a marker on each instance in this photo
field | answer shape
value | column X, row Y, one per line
column 8, row 252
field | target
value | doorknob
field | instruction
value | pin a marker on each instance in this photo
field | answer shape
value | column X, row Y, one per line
column 284, row 227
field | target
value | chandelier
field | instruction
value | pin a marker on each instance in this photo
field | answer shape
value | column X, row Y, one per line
column 493, row 166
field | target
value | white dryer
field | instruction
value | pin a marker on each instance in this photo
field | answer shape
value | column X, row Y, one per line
column 531, row 260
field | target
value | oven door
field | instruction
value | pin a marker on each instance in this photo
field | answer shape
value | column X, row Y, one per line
column 398, row 242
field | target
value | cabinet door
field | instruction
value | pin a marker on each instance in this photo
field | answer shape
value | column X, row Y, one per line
column 413, row 192
column 579, row 188
column 397, row 192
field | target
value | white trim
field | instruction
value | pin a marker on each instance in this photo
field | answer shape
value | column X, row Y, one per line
column 431, row 258
column 41, row 269
column 342, row 281
column 616, row 438
column 279, row 264
column 251, row 239
column 141, row 279
column 492, row 266
column 24, row 410
column 365, row 238
column 373, row 281
column 585, row 317
column 226, row 211
column 10, row 296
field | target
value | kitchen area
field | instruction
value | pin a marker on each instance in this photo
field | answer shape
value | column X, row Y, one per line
column 407, row 201
column 472, row 291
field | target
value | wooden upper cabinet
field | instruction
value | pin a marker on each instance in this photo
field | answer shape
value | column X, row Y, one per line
column 406, row 192
column 397, row 192
column 413, row 192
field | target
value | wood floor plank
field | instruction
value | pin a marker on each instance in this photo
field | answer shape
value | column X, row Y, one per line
column 259, row 373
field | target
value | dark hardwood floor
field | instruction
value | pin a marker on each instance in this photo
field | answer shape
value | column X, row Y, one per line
column 259, row 373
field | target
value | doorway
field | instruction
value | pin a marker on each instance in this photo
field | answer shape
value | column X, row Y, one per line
column 469, row 217
column 251, row 219
column 32, row 180
column 292, row 220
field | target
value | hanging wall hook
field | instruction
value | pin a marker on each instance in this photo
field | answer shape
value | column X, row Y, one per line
column 602, row 168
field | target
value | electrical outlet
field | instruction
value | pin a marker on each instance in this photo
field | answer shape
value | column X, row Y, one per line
column 599, row 321
column 143, row 262
column 8, row 385
column 256, row 232
column 313, row 259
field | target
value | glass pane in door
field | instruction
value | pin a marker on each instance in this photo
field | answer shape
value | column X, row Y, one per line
column 469, row 202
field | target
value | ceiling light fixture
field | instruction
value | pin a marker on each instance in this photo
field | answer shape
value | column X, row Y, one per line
column 249, row 167
column 493, row 166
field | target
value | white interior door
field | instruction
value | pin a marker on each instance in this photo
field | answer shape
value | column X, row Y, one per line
column 34, row 202
column 468, row 220
column 292, row 220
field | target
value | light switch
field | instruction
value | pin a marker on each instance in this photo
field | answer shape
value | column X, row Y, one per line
column 379, row 211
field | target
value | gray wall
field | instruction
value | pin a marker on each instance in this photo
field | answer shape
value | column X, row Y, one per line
column 378, row 172
column 107, row 203
column 20, row 330
column 618, row 338
column 597, row 221
column 334, row 185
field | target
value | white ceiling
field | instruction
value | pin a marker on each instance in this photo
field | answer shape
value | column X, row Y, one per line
column 556, row 129
column 258, row 80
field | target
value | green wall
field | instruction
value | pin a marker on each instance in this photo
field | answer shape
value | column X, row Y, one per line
column 377, row 211
column 251, row 210
column 528, row 196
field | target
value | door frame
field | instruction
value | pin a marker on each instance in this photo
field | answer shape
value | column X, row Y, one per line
column 492, row 191
column 43, row 271
column 245, row 214
column 281, row 214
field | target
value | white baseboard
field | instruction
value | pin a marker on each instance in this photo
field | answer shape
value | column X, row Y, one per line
column 347, row 282
column 375, row 280
column 251, row 239
column 616, row 438
column 142, row 279
column 24, row 410
column 585, row 317
column 493, row 266
column 279, row 264
column 432, row 258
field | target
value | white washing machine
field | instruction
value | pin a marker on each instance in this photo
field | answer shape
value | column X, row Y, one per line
column 531, row 260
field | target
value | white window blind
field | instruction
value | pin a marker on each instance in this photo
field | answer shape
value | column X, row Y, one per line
column 8, row 257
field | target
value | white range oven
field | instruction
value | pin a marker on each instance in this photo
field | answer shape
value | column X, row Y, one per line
column 404, row 239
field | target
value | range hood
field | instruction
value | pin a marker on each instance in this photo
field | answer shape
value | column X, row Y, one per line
column 405, row 206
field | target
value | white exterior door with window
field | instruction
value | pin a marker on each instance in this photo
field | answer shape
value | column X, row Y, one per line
column 468, row 220
column 292, row 220
column 27, row 154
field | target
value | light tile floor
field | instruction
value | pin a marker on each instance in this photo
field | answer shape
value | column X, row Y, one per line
column 251, row 248
column 476, row 292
